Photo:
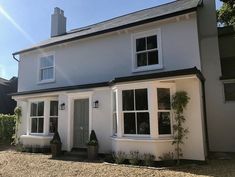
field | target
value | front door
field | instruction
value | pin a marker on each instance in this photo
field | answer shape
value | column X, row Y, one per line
column 81, row 123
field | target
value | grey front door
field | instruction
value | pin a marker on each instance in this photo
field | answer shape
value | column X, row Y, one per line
column 81, row 123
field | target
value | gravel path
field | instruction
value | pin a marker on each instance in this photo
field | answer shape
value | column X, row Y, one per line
column 14, row 164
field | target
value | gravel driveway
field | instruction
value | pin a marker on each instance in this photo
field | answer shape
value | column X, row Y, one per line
column 14, row 164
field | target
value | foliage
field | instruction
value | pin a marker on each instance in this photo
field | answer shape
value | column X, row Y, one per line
column 18, row 113
column 56, row 138
column 119, row 157
column 167, row 156
column 134, row 158
column 226, row 14
column 179, row 101
column 93, row 141
column 7, row 124
column 148, row 159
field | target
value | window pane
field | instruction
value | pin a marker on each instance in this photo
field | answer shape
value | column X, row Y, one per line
column 40, row 125
column 34, row 125
column 164, row 100
column 143, row 123
column 114, row 122
column 229, row 91
column 127, row 100
column 54, row 108
column 141, row 59
column 227, row 66
column 114, row 101
column 140, row 44
column 152, row 42
column 164, row 123
column 141, row 99
column 46, row 61
column 33, row 111
column 53, row 124
column 40, row 108
column 129, row 123
column 47, row 73
column 153, row 58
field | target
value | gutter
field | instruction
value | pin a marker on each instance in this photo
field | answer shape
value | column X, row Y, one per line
column 13, row 55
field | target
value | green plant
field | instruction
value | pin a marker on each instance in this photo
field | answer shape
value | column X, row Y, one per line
column 148, row 159
column 56, row 138
column 18, row 113
column 119, row 157
column 179, row 102
column 7, row 124
column 93, row 141
column 167, row 156
column 134, row 158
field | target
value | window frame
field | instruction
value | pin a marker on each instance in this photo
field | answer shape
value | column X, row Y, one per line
column 168, row 86
column 36, row 117
column 114, row 111
column 146, row 34
column 51, row 133
column 40, row 69
column 136, row 111
column 231, row 81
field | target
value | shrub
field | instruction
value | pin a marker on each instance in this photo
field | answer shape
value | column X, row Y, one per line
column 93, row 141
column 7, row 124
column 167, row 156
column 119, row 157
column 134, row 158
column 148, row 159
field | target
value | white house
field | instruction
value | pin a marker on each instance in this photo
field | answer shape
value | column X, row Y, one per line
column 117, row 78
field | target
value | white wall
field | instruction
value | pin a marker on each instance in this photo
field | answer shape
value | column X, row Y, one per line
column 105, row 57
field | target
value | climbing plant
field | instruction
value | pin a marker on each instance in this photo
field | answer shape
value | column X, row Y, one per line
column 18, row 114
column 179, row 102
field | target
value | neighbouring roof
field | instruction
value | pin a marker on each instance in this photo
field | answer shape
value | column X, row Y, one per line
column 182, row 72
column 133, row 19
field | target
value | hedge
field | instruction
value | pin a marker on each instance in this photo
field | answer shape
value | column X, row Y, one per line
column 7, row 126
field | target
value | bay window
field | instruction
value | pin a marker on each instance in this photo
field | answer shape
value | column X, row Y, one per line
column 53, row 124
column 37, row 117
column 114, row 113
column 135, row 111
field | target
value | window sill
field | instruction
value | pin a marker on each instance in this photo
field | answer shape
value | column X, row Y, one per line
column 36, row 136
column 147, row 68
column 46, row 81
column 143, row 139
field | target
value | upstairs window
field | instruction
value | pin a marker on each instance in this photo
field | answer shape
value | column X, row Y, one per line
column 147, row 53
column 47, row 69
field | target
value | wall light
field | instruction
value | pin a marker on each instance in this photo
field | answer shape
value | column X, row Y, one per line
column 62, row 106
column 96, row 104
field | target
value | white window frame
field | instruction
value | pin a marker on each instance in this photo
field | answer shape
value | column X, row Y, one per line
column 136, row 111
column 136, row 36
column 33, row 117
column 46, row 116
column 53, row 116
column 40, row 69
column 172, row 90
column 114, row 111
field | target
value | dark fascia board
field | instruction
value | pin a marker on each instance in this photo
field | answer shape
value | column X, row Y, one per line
column 182, row 72
column 110, row 30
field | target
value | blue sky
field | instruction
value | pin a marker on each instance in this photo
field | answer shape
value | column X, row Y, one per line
column 26, row 22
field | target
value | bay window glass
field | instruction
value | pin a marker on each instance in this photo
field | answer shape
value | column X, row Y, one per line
column 37, row 117
column 135, row 111
column 53, row 122
column 114, row 114
column 164, row 111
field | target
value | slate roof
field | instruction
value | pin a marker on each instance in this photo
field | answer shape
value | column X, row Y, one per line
column 133, row 19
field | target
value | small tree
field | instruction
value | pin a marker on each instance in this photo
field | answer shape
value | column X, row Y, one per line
column 179, row 102
column 226, row 14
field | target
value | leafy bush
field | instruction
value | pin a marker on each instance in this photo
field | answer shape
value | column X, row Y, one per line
column 148, row 159
column 167, row 156
column 7, row 125
column 134, row 158
column 119, row 157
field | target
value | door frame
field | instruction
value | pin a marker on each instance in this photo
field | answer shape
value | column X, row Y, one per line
column 72, row 98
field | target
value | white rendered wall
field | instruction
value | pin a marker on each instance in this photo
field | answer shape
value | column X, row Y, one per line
column 104, row 57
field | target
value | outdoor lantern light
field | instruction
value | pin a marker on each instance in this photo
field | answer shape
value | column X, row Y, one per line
column 96, row 104
column 62, row 106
